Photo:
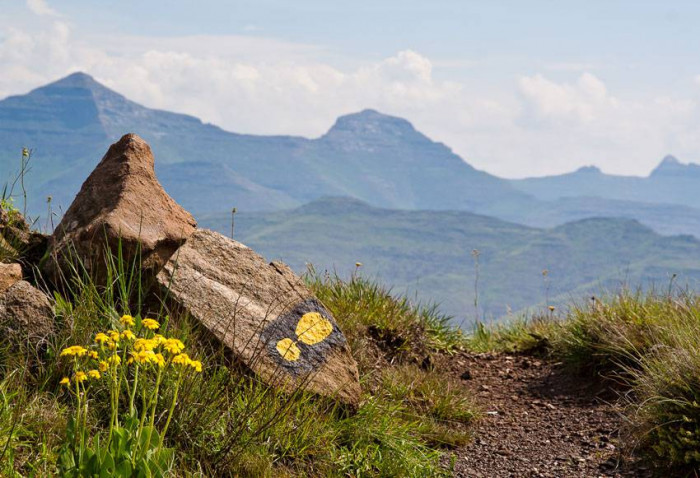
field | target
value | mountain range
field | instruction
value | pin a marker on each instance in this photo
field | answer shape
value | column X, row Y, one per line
column 377, row 159
column 428, row 254
column 672, row 182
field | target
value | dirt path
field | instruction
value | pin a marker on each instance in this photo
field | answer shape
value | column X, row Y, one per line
column 539, row 422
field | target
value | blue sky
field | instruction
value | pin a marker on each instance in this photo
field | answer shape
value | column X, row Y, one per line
column 517, row 88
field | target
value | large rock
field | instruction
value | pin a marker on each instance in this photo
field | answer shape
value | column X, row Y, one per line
column 262, row 312
column 26, row 316
column 10, row 274
column 121, row 201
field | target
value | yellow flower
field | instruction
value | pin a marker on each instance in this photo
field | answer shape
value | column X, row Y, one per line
column 111, row 345
column 80, row 376
column 128, row 335
column 182, row 359
column 144, row 344
column 94, row 374
column 185, row 361
column 196, row 365
column 114, row 360
column 75, row 350
column 101, row 338
column 93, row 355
column 158, row 339
column 174, row 346
column 159, row 360
column 65, row 381
column 127, row 320
column 114, row 335
column 150, row 324
column 103, row 366
column 144, row 356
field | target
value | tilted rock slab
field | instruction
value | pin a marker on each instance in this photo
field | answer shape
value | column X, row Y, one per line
column 121, row 200
column 264, row 313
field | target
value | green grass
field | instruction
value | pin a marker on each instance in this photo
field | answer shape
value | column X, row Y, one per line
column 228, row 423
column 522, row 335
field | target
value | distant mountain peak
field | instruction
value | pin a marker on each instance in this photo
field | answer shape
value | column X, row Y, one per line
column 669, row 165
column 670, row 159
column 333, row 205
column 368, row 124
column 75, row 79
column 589, row 170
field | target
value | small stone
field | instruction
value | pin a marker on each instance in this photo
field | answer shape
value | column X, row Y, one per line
column 10, row 274
column 26, row 316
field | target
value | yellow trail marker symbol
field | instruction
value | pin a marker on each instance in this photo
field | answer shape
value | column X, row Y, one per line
column 288, row 349
column 312, row 329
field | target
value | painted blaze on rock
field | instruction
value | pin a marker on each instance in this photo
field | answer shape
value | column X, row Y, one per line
column 264, row 313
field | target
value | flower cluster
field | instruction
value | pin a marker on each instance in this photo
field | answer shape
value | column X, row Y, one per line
column 134, row 359
column 139, row 347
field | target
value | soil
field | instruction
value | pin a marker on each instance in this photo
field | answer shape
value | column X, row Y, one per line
column 540, row 421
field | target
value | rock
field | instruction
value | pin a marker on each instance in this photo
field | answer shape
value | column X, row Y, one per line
column 18, row 241
column 26, row 316
column 263, row 313
column 120, row 201
column 10, row 274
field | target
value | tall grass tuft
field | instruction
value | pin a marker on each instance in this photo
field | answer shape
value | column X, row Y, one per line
column 649, row 343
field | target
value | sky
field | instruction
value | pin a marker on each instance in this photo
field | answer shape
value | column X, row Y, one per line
column 516, row 88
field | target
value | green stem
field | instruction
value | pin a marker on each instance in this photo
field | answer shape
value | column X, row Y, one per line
column 77, row 421
column 142, row 421
column 114, row 405
column 133, row 391
column 154, row 400
column 170, row 412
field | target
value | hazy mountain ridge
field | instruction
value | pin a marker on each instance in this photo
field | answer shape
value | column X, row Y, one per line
column 377, row 158
column 671, row 182
column 430, row 252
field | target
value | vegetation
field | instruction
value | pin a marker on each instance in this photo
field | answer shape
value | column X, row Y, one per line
column 225, row 422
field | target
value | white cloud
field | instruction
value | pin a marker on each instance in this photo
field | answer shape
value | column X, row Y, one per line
column 260, row 85
column 40, row 7
column 586, row 100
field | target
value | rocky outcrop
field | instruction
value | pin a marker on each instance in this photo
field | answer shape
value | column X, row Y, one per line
column 263, row 313
column 120, row 202
column 26, row 316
